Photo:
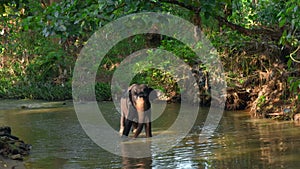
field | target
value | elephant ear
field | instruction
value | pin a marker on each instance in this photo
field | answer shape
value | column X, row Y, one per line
column 130, row 87
column 129, row 94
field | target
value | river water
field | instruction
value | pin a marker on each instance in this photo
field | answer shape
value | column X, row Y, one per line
column 58, row 140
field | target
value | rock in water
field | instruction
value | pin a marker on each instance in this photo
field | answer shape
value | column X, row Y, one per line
column 11, row 146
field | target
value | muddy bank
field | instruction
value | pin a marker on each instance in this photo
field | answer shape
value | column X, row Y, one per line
column 7, row 104
column 9, row 164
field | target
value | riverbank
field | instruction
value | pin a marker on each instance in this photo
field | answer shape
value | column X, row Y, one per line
column 7, row 104
column 6, row 163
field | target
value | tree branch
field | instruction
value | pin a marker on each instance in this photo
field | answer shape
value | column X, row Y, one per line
column 274, row 35
column 189, row 7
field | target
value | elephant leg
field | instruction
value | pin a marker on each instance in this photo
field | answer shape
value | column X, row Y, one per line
column 141, row 122
column 122, row 124
column 148, row 129
column 139, row 130
column 134, row 127
column 127, row 127
column 148, row 123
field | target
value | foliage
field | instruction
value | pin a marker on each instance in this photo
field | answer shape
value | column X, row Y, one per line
column 289, row 20
column 294, row 85
column 44, row 91
column 103, row 91
column 179, row 49
column 261, row 101
column 157, row 79
column 33, row 66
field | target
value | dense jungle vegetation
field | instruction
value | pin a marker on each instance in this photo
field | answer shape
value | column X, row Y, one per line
column 257, row 41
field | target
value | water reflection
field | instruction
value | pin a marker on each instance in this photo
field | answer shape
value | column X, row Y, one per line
column 239, row 142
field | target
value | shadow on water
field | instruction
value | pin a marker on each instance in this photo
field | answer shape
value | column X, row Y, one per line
column 239, row 142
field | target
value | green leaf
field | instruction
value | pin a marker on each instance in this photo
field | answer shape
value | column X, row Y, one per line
column 62, row 28
column 56, row 13
column 282, row 21
column 289, row 63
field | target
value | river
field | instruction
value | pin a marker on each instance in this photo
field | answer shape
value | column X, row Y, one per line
column 58, row 140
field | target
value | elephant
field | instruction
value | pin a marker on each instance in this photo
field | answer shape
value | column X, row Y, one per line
column 136, row 110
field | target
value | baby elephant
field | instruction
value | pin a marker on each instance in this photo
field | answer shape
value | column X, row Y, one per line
column 135, row 110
